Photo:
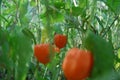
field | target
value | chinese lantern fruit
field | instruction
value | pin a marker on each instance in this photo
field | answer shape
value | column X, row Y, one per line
column 77, row 64
column 60, row 40
column 42, row 52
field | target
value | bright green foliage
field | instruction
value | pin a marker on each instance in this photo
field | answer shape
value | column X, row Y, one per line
column 15, row 53
column 21, row 53
column 102, row 51
column 58, row 29
column 24, row 23
column 29, row 34
column 114, row 5
column 5, row 60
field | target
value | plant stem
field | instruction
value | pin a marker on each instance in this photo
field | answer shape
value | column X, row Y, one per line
column 110, row 26
column 45, row 72
column 36, row 70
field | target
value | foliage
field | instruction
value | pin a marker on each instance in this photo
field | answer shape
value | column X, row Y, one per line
column 25, row 23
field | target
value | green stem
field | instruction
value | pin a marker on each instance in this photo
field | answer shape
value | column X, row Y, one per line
column 39, row 27
column 36, row 70
column 3, row 18
column 45, row 72
column 95, row 31
column 117, row 17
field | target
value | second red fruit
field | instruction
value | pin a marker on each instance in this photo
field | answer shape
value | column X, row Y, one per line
column 60, row 40
column 42, row 52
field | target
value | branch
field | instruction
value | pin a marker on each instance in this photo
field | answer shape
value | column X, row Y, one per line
column 110, row 26
column 94, row 30
column 4, row 18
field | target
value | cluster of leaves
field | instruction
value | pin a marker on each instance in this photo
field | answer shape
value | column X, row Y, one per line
column 24, row 23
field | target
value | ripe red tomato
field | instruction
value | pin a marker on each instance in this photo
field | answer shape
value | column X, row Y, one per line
column 77, row 64
column 42, row 52
column 60, row 40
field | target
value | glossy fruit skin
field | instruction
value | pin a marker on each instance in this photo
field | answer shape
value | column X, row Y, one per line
column 77, row 64
column 42, row 52
column 60, row 40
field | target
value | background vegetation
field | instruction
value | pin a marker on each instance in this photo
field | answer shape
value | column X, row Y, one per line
column 24, row 23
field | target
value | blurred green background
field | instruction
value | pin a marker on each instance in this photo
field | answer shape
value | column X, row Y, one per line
column 24, row 23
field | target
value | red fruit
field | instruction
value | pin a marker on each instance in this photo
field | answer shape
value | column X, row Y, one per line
column 60, row 40
column 77, row 64
column 42, row 52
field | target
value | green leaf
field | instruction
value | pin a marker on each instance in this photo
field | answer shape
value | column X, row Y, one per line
column 32, row 3
column 23, row 9
column 23, row 16
column 29, row 34
column 57, row 28
column 76, row 11
column 39, row 78
column 83, row 4
column 57, row 17
column 0, row 2
column 102, row 52
column 59, row 5
column 5, row 56
column 5, row 59
column 114, row 5
column 3, row 36
column 111, row 75
column 21, row 53
column 24, row 21
column 53, row 68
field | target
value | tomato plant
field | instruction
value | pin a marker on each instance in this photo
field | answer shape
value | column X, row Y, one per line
column 32, row 31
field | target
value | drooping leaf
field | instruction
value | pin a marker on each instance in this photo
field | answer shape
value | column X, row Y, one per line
column 5, row 56
column 21, row 53
column 102, row 51
column 29, row 34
